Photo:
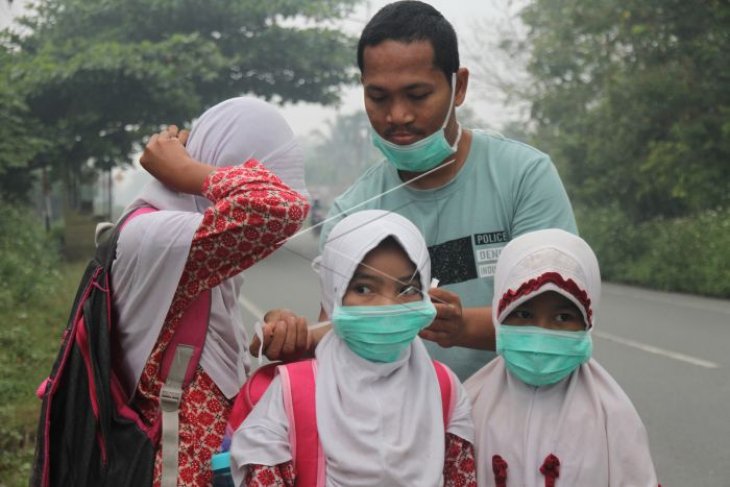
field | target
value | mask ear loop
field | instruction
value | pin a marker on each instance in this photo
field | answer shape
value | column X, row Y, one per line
column 423, row 293
column 363, row 203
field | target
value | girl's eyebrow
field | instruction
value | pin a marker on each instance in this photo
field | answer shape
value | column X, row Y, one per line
column 409, row 279
column 365, row 276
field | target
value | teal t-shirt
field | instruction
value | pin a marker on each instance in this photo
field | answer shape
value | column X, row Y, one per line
column 504, row 189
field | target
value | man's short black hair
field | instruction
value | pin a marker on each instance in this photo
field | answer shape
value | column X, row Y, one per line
column 408, row 21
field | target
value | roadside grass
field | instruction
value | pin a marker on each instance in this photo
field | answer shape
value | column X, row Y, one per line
column 29, row 341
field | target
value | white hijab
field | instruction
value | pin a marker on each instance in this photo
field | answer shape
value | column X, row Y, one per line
column 153, row 248
column 381, row 420
column 585, row 420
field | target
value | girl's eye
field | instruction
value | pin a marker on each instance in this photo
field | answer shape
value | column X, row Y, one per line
column 521, row 314
column 566, row 317
column 361, row 289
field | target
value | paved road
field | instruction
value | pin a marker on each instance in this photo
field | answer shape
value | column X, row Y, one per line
column 670, row 354
column 668, row 351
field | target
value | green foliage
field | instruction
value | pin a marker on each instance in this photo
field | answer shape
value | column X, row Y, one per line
column 631, row 99
column 35, row 298
column 19, row 139
column 98, row 75
column 28, row 258
column 681, row 254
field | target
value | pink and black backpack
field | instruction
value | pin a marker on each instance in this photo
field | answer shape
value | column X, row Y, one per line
column 89, row 433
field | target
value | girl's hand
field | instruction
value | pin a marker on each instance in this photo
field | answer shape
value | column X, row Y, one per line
column 286, row 337
column 167, row 160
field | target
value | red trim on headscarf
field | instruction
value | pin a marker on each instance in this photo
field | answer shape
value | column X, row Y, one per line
column 552, row 277
column 499, row 467
column 551, row 470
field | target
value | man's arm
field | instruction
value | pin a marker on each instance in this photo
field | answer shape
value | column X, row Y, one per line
column 542, row 201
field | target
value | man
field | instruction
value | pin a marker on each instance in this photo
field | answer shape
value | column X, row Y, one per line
column 469, row 192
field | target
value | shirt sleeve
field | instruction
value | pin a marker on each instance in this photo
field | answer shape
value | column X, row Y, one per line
column 253, row 213
column 459, row 465
column 263, row 437
column 281, row 475
column 542, row 201
column 461, row 423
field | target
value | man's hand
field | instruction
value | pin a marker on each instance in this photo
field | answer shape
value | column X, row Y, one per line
column 449, row 327
column 167, row 160
column 286, row 337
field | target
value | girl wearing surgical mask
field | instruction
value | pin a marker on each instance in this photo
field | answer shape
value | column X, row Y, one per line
column 545, row 412
column 379, row 409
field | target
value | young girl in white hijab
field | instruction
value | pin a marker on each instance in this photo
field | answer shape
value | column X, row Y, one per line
column 378, row 409
column 214, row 219
column 545, row 412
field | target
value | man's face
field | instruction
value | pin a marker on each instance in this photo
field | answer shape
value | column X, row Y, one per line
column 406, row 96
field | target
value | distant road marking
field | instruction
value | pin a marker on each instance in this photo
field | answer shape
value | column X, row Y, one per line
column 658, row 351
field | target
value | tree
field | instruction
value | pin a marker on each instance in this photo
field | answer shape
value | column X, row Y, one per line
column 98, row 75
column 631, row 100
column 19, row 140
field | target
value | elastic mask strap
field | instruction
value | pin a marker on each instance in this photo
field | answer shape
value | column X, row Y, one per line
column 448, row 114
column 453, row 100
column 258, row 328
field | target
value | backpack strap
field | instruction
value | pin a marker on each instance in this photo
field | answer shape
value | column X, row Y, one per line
column 448, row 391
column 298, row 386
column 179, row 363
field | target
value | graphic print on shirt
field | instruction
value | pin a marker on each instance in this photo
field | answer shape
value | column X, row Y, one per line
column 487, row 247
column 467, row 258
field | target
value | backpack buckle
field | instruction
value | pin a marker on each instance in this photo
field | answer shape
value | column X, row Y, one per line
column 170, row 398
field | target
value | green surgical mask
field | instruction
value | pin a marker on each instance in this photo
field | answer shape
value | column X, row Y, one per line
column 538, row 356
column 424, row 154
column 381, row 333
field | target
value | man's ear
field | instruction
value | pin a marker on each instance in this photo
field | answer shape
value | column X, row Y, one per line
column 462, row 82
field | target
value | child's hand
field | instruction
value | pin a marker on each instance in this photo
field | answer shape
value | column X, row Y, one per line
column 167, row 160
column 286, row 337
column 449, row 326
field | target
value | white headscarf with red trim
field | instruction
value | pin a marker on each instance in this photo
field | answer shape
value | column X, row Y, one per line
column 582, row 430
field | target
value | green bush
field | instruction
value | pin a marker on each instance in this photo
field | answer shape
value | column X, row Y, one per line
column 28, row 257
column 689, row 254
column 36, row 291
